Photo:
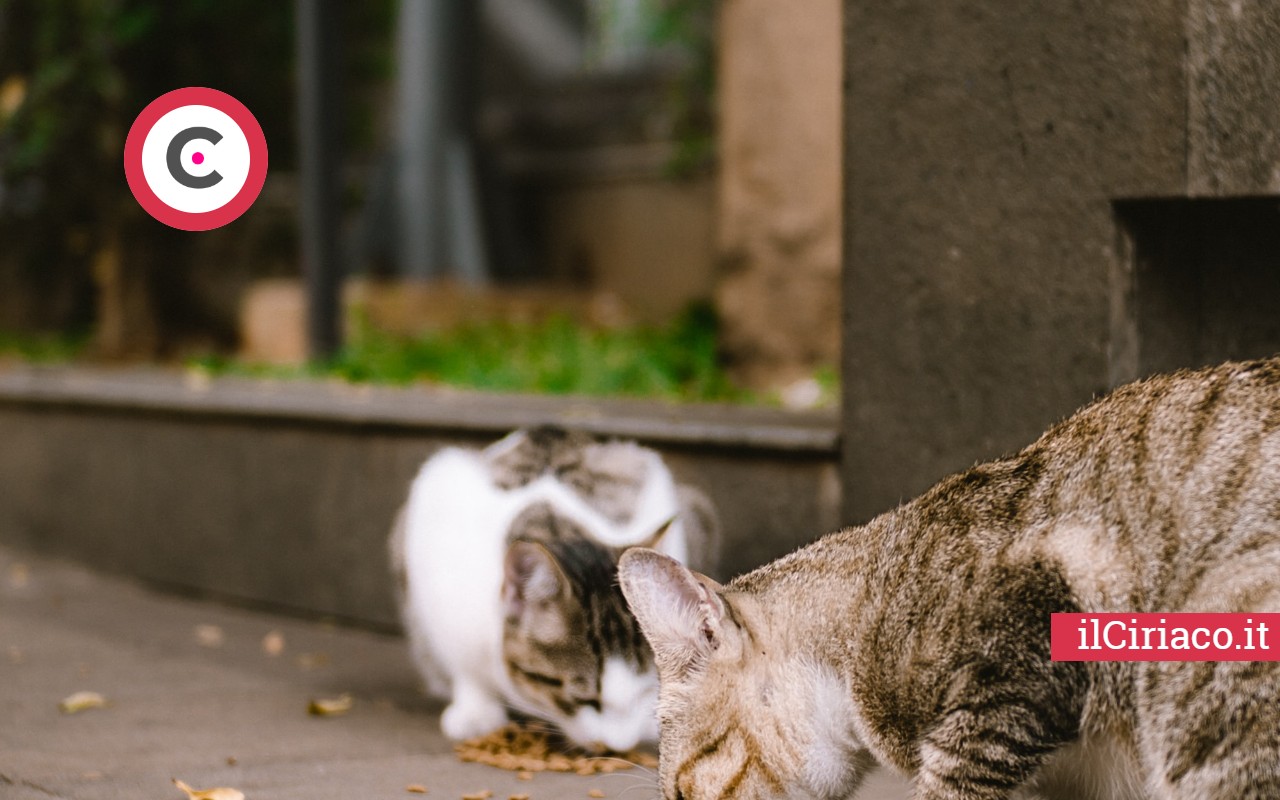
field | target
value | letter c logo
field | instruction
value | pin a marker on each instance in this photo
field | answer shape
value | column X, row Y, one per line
column 163, row 167
column 173, row 157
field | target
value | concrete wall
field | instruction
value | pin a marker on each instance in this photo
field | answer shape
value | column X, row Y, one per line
column 989, row 286
column 778, row 101
column 283, row 493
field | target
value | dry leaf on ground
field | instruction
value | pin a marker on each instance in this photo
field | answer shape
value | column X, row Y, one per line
column 273, row 643
column 331, row 706
column 209, row 635
column 82, row 701
column 416, row 788
column 221, row 793
column 19, row 575
column 483, row 794
column 310, row 661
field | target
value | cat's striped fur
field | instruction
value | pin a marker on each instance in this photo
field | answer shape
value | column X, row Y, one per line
column 566, row 617
column 921, row 639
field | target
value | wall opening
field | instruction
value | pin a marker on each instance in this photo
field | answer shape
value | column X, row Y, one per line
column 1196, row 281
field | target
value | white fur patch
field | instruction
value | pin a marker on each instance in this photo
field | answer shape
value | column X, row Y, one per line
column 829, row 766
column 1098, row 572
column 627, row 715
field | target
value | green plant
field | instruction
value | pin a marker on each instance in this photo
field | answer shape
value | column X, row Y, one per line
column 46, row 348
column 558, row 356
column 688, row 26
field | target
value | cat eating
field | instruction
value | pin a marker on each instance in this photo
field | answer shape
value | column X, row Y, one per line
column 921, row 640
column 506, row 566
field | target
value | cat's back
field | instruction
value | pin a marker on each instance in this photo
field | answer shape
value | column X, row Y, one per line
column 620, row 491
column 1166, row 491
column 1167, row 424
column 454, row 521
column 1139, row 498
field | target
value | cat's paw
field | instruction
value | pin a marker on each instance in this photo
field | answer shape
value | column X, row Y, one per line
column 471, row 717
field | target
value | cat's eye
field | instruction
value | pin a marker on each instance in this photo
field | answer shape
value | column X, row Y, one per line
column 538, row 677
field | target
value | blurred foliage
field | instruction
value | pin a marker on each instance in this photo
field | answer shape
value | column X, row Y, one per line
column 557, row 356
column 75, row 73
column 42, row 348
column 689, row 27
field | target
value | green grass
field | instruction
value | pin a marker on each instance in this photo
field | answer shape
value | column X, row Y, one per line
column 42, row 348
column 677, row 362
column 558, row 356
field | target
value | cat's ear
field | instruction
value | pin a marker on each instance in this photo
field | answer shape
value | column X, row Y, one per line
column 680, row 611
column 530, row 576
column 656, row 537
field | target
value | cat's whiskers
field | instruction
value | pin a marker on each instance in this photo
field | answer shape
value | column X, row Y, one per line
column 651, row 785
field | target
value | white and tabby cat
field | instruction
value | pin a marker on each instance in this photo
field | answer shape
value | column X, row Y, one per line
column 506, row 562
column 921, row 639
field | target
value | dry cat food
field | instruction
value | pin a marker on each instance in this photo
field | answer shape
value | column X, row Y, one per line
column 520, row 749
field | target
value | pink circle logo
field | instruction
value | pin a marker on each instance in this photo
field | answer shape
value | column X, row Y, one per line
column 195, row 158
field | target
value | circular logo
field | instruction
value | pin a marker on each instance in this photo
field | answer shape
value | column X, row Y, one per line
column 195, row 158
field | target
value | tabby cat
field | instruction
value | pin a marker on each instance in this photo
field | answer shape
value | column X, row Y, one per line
column 506, row 561
column 920, row 640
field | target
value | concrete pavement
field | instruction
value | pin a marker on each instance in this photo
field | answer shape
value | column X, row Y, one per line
column 218, row 696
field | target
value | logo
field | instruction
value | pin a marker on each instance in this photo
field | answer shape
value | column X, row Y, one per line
column 195, row 158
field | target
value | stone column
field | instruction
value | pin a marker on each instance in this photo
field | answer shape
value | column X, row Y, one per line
column 779, row 194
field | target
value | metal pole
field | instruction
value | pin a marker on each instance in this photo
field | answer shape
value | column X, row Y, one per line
column 318, row 133
column 437, row 198
column 422, row 83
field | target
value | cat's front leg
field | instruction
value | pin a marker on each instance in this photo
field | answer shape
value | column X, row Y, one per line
column 982, row 754
column 473, row 712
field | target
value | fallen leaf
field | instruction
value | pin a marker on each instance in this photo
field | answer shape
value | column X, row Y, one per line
column 209, row 635
column 483, row 794
column 82, row 701
column 416, row 788
column 221, row 793
column 331, row 706
column 596, row 793
column 19, row 575
column 273, row 643
column 518, row 797
column 309, row 661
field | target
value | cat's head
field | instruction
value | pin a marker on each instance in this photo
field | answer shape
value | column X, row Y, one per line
column 573, row 652
column 742, row 715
